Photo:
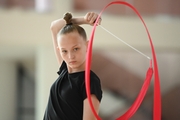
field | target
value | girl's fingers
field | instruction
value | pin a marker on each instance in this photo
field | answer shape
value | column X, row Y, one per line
column 91, row 17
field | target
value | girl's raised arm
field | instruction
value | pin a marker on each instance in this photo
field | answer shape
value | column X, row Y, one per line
column 57, row 25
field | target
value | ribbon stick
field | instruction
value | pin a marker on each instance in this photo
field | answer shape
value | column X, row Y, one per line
column 139, row 99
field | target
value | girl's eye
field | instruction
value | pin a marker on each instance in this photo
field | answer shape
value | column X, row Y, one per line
column 64, row 51
column 75, row 49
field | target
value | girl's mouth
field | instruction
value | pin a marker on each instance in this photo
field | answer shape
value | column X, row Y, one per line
column 72, row 62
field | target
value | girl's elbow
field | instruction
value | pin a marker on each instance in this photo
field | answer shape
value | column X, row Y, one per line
column 52, row 26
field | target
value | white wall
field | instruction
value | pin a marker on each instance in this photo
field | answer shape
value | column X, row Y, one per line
column 7, row 90
column 46, row 74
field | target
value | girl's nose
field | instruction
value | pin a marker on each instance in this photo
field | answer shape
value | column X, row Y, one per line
column 71, row 55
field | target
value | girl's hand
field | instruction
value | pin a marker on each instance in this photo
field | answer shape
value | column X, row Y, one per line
column 91, row 17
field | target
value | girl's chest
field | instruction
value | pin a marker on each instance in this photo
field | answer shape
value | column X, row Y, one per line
column 70, row 89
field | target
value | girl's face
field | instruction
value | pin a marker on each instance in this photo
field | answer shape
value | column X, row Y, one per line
column 73, row 49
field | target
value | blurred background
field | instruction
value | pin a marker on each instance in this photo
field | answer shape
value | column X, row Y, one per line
column 28, row 65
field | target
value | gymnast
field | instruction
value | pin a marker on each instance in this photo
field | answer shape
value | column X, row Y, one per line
column 68, row 99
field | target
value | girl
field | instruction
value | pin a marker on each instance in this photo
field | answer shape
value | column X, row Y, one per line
column 68, row 100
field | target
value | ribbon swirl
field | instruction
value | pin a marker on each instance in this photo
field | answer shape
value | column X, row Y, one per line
column 157, row 95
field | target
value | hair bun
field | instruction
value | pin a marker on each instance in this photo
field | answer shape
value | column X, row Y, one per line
column 67, row 18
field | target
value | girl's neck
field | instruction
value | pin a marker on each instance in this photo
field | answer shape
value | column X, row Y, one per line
column 74, row 70
column 70, row 70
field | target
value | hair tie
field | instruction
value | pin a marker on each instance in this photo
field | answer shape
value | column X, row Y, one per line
column 69, row 23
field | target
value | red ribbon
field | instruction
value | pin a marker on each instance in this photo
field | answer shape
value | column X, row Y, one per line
column 139, row 99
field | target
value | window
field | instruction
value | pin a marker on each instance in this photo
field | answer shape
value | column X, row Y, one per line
column 38, row 5
column 150, row 7
column 26, row 4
